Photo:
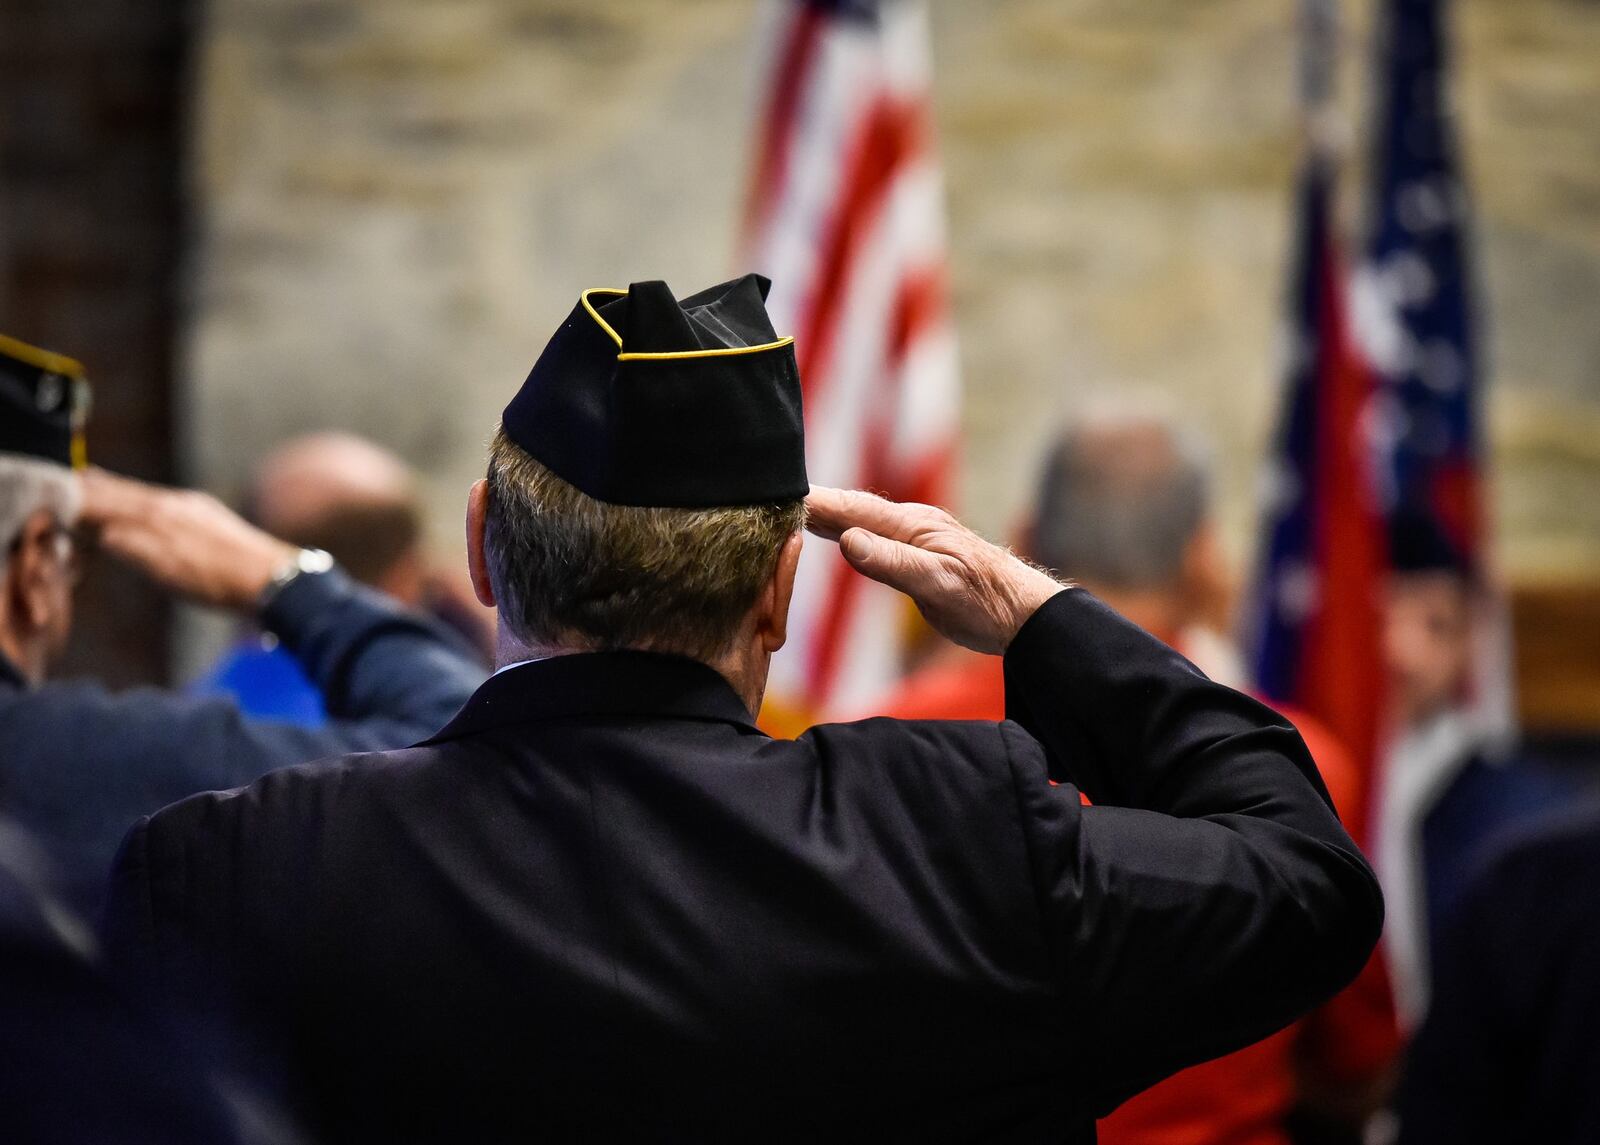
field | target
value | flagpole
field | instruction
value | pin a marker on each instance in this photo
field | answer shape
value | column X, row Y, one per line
column 1321, row 123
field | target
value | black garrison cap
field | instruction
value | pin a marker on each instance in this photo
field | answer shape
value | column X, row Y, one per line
column 44, row 402
column 639, row 399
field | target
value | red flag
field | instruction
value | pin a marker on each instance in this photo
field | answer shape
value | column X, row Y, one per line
column 1317, row 625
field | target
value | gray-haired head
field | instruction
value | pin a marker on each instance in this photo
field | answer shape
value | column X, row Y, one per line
column 28, row 485
column 1121, row 496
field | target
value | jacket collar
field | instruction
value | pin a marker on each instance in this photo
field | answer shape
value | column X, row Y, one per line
column 599, row 684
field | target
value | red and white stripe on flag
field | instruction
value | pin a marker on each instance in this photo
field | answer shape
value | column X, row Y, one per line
column 846, row 216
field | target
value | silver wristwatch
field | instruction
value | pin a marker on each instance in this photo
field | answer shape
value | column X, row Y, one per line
column 306, row 561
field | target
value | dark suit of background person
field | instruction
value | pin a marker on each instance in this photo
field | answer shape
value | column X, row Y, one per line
column 79, row 764
column 601, row 905
column 1510, row 1049
column 78, row 1066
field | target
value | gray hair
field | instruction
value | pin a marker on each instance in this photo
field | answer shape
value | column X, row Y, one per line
column 571, row 570
column 26, row 486
column 1120, row 498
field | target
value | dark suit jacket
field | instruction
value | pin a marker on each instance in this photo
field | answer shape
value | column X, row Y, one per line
column 79, row 765
column 77, row 1065
column 600, row 905
column 1510, row 1049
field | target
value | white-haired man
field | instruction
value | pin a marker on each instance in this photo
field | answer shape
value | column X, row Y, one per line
column 78, row 764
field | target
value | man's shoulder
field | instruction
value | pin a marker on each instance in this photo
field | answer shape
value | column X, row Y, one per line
column 62, row 696
column 42, row 723
column 911, row 736
column 88, row 706
column 1557, row 847
column 289, row 797
column 945, row 753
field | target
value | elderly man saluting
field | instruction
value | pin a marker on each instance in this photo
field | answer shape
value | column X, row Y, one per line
column 79, row 764
column 601, row 905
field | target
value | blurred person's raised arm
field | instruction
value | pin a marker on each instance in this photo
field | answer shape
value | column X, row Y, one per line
column 1210, row 896
column 388, row 677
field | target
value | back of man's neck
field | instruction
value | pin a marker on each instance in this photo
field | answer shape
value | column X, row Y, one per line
column 509, row 650
column 747, row 679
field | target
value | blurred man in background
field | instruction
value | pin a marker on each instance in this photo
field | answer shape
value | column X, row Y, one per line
column 1493, row 855
column 356, row 500
column 1450, row 783
column 80, row 765
column 329, row 489
column 1124, row 501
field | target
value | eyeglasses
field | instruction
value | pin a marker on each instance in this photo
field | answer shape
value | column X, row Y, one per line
column 69, row 545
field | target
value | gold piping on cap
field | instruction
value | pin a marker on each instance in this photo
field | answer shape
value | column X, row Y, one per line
column 622, row 356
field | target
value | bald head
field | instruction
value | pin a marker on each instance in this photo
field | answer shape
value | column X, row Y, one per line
column 1121, row 499
column 305, row 478
column 343, row 493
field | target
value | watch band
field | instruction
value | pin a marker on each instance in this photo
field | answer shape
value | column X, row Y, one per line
column 303, row 563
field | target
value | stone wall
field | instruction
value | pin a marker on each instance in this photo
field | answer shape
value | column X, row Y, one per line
column 399, row 198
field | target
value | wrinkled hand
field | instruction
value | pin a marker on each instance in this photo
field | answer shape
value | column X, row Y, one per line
column 973, row 592
column 189, row 543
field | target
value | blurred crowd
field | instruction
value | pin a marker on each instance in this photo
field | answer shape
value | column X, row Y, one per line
column 1477, row 1021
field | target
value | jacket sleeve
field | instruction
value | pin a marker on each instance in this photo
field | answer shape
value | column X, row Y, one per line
column 1209, row 896
column 388, row 678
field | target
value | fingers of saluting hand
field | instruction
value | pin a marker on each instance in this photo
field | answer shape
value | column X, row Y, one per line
column 107, row 498
column 975, row 593
column 829, row 512
column 139, row 545
column 913, row 571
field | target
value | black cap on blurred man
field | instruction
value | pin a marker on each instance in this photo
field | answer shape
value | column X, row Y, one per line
column 602, row 905
column 44, row 402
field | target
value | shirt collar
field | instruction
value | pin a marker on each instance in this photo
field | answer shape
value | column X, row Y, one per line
column 518, row 664
column 599, row 684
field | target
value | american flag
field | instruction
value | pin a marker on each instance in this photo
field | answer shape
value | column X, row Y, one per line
column 1416, row 322
column 1314, row 633
column 1415, row 316
column 846, row 216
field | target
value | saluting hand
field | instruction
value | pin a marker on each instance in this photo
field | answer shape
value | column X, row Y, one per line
column 188, row 542
column 973, row 592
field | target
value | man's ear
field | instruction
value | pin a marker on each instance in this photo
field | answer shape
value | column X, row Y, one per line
column 477, row 560
column 772, row 625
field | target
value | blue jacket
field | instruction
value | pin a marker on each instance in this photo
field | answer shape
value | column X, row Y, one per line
column 80, row 765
